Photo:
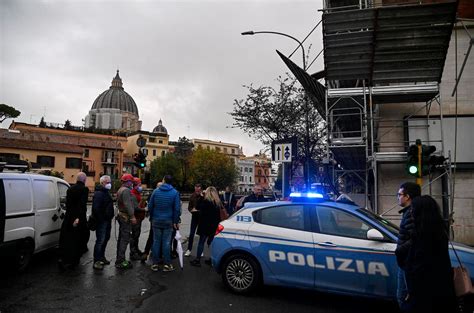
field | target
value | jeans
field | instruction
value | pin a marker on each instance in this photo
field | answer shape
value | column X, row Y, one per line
column 161, row 241
column 123, row 240
column 401, row 287
column 202, row 240
column 102, row 235
column 194, row 225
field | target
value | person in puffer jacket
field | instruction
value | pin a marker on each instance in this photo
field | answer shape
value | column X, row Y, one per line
column 406, row 193
column 103, row 211
column 164, row 207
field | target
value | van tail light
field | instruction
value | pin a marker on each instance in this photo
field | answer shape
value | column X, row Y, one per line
column 219, row 229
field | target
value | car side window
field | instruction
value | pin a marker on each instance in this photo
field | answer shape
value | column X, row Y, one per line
column 288, row 216
column 339, row 223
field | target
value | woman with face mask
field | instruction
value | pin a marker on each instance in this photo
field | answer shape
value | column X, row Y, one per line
column 103, row 211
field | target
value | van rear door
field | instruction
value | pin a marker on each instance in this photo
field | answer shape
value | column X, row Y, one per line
column 47, row 222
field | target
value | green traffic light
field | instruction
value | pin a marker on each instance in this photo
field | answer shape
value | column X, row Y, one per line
column 413, row 169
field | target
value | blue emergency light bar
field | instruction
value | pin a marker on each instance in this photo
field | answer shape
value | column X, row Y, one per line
column 312, row 195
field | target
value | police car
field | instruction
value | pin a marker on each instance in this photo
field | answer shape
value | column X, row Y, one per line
column 324, row 245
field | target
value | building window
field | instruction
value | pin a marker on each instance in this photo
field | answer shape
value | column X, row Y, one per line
column 45, row 160
column 233, row 151
column 266, row 172
column 154, row 152
column 241, row 178
column 218, row 149
column 250, row 178
column 86, row 153
column 259, row 172
column 151, row 139
column 162, row 153
column 160, row 141
column 250, row 170
column 259, row 180
column 241, row 169
column 225, row 150
column 74, row 163
column 264, row 180
column 10, row 155
column 208, row 148
column 245, row 169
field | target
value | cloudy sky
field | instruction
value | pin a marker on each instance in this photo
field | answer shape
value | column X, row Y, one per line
column 182, row 61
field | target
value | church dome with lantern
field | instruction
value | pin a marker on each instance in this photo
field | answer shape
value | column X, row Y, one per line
column 114, row 109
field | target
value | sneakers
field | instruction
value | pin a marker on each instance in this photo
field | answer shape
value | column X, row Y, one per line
column 124, row 265
column 155, row 268
column 105, row 261
column 168, row 268
column 98, row 265
column 187, row 253
column 195, row 262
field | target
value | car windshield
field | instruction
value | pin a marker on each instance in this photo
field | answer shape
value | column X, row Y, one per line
column 392, row 228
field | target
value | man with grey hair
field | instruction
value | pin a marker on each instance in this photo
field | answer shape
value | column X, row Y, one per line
column 103, row 212
column 74, row 232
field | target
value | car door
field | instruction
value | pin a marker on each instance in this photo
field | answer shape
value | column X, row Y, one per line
column 282, row 239
column 47, row 221
column 348, row 262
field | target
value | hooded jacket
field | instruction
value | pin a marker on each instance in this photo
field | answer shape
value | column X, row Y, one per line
column 164, row 205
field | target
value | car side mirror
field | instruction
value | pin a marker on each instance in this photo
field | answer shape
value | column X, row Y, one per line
column 374, row 234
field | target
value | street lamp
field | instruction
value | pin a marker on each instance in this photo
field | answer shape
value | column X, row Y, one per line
column 251, row 32
column 300, row 44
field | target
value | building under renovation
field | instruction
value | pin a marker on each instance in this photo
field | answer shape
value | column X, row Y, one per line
column 394, row 72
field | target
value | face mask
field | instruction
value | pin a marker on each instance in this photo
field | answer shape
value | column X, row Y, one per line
column 108, row 186
column 139, row 189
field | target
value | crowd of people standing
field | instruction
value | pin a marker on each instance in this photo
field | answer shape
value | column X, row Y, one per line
column 163, row 207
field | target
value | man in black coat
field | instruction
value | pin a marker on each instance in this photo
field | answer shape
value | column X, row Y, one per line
column 103, row 212
column 74, row 232
column 256, row 196
column 406, row 193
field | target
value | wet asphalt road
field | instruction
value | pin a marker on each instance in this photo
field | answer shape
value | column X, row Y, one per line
column 43, row 288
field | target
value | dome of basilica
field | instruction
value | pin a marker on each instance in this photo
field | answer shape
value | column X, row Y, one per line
column 160, row 128
column 115, row 98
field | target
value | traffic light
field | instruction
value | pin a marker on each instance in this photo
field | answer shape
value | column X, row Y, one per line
column 428, row 161
column 413, row 159
column 140, row 159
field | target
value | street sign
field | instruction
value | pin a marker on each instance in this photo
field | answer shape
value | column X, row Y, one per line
column 141, row 142
column 144, row 151
column 284, row 150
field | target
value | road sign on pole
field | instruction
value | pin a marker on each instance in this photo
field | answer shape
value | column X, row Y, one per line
column 284, row 150
column 141, row 142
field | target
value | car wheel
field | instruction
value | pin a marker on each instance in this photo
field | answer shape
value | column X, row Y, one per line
column 23, row 256
column 241, row 273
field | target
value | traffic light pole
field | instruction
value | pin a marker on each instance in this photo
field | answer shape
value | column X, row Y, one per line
column 419, row 179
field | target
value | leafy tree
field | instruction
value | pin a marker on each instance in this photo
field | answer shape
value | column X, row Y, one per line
column 7, row 111
column 269, row 114
column 213, row 168
column 166, row 165
column 183, row 152
column 67, row 124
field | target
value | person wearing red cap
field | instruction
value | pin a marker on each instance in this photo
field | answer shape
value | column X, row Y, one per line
column 139, row 205
column 126, row 218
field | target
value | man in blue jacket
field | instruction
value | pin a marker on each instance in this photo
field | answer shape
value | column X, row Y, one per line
column 165, row 212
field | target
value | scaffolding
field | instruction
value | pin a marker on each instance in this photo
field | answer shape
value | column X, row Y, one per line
column 378, row 54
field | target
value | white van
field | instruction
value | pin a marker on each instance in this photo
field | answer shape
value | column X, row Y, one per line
column 32, row 208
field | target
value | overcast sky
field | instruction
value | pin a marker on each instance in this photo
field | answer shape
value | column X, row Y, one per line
column 182, row 61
